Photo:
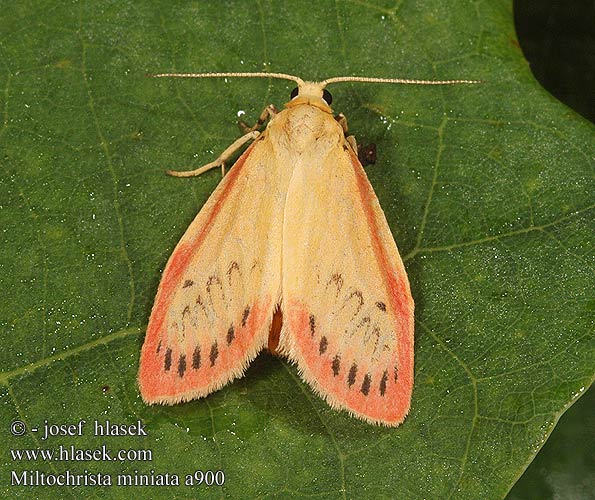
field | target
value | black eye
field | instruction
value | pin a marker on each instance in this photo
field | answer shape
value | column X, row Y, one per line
column 294, row 93
column 326, row 95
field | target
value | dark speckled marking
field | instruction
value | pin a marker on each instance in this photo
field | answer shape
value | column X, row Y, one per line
column 383, row 382
column 245, row 315
column 336, row 365
column 182, row 365
column 196, row 358
column 323, row 345
column 167, row 361
column 231, row 334
column 214, row 286
column 312, row 324
column 381, row 306
column 213, row 279
column 360, row 298
column 366, row 384
column 233, row 266
column 396, row 373
column 337, row 279
column 159, row 347
column 352, row 374
column 187, row 283
column 214, row 354
column 364, row 321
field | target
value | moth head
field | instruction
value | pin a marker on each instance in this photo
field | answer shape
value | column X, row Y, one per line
column 312, row 94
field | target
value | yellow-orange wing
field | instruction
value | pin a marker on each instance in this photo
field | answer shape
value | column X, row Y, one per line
column 217, row 294
column 347, row 306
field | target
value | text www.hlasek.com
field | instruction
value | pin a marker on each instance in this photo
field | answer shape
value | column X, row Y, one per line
column 73, row 454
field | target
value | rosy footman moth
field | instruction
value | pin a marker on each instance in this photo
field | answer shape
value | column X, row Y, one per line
column 291, row 251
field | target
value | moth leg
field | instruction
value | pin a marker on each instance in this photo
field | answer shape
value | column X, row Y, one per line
column 352, row 142
column 342, row 120
column 266, row 114
column 221, row 159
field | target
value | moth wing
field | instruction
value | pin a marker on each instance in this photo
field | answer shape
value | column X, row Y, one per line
column 347, row 306
column 216, row 298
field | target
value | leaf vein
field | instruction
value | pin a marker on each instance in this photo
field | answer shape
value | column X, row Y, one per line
column 473, row 380
column 110, row 165
column 31, row 367
column 497, row 237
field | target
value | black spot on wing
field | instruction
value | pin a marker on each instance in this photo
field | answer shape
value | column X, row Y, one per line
column 182, row 365
column 352, row 375
column 336, row 365
column 312, row 320
column 323, row 345
column 196, row 358
column 383, row 382
column 245, row 315
column 366, row 384
column 381, row 306
column 167, row 360
column 187, row 283
column 214, row 353
column 230, row 335
column 158, row 347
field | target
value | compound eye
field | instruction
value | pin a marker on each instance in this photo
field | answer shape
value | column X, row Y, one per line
column 328, row 98
column 294, row 93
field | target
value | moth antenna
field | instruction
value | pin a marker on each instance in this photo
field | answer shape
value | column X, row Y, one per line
column 395, row 80
column 263, row 74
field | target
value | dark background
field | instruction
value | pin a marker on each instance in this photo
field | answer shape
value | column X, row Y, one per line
column 558, row 39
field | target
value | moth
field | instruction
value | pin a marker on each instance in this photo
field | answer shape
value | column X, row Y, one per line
column 292, row 251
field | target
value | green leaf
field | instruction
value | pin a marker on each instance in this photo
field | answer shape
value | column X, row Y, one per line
column 558, row 44
column 488, row 190
column 565, row 466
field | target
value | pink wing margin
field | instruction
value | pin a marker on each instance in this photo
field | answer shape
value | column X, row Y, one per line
column 378, row 392
column 176, row 368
